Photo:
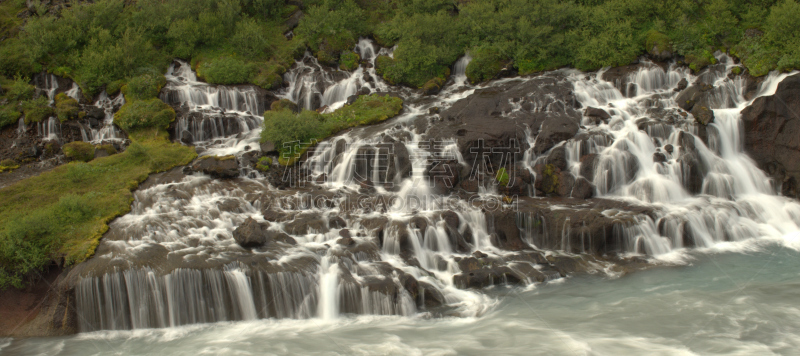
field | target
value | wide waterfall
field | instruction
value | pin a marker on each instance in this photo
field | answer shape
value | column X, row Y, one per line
column 369, row 233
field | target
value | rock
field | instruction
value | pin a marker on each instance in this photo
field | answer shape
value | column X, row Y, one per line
column 187, row 137
column 293, row 20
column 597, row 112
column 583, row 189
column 351, row 99
column 95, row 113
column 588, row 165
column 703, row 115
column 336, row 222
column 225, row 167
column 268, row 147
column 668, row 148
column 682, row 84
column 305, row 224
column 558, row 157
column 659, row 157
column 451, row 218
column 251, row 234
column 691, row 164
column 772, row 128
column 554, row 131
column 506, row 233
column 694, row 94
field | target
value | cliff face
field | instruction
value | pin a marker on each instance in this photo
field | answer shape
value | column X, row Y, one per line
column 45, row 308
column 772, row 134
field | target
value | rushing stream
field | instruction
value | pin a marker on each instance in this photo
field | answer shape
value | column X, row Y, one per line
column 342, row 278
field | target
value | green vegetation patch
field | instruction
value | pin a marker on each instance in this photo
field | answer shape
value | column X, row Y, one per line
column 8, row 165
column 62, row 214
column 264, row 163
column 66, row 107
column 140, row 114
column 79, row 151
column 36, row 110
column 502, row 177
column 284, row 126
column 349, row 61
column 486, row 63
column 226, row 70
column 144, row 86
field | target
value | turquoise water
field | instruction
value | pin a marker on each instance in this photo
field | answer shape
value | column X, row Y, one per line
column 716, row 302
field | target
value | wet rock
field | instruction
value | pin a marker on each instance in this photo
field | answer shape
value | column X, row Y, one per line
column 268, row 147
column 588, row 165
column 251, row 234
column 336, row 222
column 225, row 167
column 772, row 128
column 669, row 148
column 659, row 157
column 506, row 233
column 583, row 189
column 682, row 84
column 554, row 131
column 703, row 115
column 187, row 138
column 305, row 224
column 597, row 112
column 419, row 223
column 558, row 157
column 692, row 166
column 451, row 218
column 694, row 94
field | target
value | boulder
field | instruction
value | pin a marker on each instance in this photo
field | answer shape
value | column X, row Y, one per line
column 597, row 112
column 252, row 234
column 225, row 167
column 703, row 115
column 772, row 133
column 583, row 189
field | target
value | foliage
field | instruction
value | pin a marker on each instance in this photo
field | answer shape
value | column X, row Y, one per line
column 502, row 177
column 8, row 165
column 36, row 110
column 283, row 126
column 144, row 86
column 349, row 61
column 79, row 151
column 8, row 115
column 20, row 90
column 332, row 27
column 226, row 70
column 66, row 107
column 139, row 114
column 486, row 62
column 61, row 214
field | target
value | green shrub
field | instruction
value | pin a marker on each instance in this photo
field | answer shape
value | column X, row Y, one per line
column 144, row 86
column 349, row 61
column 226, row 70
column 332, row 27
column 79, row 151
column 36, row 110
column 8, row 165
column 66, row 107
column 657, row 42
column 284, row 127
column 108, row 148
column 486, row 63
column 140, row 114
column 700, row 59
column 8, row 115
column 20, row 90
column 250, row 39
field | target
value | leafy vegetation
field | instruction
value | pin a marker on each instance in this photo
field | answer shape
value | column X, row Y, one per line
column 140, row 114
column 66, row 107
column 61, row 215
column 292, row 132
column 264, row 163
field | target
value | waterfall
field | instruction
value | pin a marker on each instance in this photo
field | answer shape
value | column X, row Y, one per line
column 460, row 70
column 74, row 92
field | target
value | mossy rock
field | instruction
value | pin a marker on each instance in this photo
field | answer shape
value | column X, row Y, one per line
column 658, row 45
column 283, row 104
column 264, row 163
column 349, row 61
column 433, row 86
column 8, row 165
column 736, row 70
column 502, row 177
column 79, row 151
column 66, row 107
column 698, row 61
column 551, row 181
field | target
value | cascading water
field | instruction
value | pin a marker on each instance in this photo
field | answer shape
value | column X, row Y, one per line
column 401, row 246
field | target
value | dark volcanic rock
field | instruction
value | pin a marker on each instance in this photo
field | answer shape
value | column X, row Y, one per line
column 772, row 133
column 251, row 233
column 217, row 167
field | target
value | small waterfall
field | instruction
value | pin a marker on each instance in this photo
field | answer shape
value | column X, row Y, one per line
column 460, row 70
column 74, row 92
column 50, row 130
column 21, row 127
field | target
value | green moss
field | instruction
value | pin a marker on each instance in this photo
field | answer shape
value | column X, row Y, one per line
column 433, row 86
column 108, row 148
column 264, row 163
column 8, row 165
column 736, row 70
column 66, row 107
column 550, row 183
column 697, row 61
column 349, row 61
column 115, row 87
column 63, row 213
column 140, row 114
column 283, row 104
column 79, row 151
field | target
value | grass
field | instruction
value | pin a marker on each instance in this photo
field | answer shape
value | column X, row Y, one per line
column 62, row 214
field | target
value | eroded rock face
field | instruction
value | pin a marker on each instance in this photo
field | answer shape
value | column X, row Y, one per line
column 772, row 133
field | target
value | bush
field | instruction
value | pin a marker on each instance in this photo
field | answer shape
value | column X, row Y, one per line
column 250, row 39
column 20, row 90
column 140, row 114
column 8, row 115
column 657, row 43
column 37, row 110
column 486, row 64
column 79, row 151
column 349, row 61
column 66, row 107
column 332, row 27
column 284, row 127
column 144, row 86
column 226, row 70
